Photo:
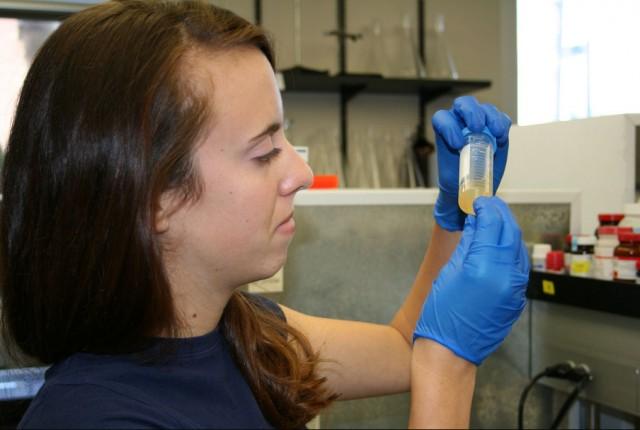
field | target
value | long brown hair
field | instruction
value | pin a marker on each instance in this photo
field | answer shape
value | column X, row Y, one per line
column 106, row 122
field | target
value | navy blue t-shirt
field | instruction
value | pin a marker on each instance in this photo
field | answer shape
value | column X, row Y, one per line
column 198, row 386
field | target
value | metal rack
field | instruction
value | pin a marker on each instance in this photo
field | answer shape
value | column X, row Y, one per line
column 348, row 85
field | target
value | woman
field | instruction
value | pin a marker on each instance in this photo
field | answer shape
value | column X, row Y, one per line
column 147, row 177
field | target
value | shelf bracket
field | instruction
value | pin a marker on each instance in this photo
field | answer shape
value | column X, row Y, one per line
column 422, row 49
column 346, row 94
column 257, row 11
column 423, row 99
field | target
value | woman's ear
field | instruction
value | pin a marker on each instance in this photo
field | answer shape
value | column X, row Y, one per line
column 166, row 207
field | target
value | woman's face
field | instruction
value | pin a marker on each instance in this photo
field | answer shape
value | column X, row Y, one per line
column 239, row 229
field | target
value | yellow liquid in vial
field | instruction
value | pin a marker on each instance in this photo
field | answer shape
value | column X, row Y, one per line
column 469, row 191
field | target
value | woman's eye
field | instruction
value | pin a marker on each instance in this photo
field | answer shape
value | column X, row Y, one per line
column 269, row 156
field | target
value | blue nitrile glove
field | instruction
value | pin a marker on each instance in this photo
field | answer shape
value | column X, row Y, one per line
column 480, row 292
column 448, row 125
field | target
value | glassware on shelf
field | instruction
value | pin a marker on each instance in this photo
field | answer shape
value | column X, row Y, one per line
column 440, row 62
column 377, row 61
column 378, row 159
column 325, row 157
column 419, row 151
column 387, row 160
column 411, row 40
column 393, row 50
column 391, row 159
column 407, row 161
column 401, row 50
column 362, row 166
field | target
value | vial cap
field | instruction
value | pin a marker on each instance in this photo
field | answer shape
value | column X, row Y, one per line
column 629, row 236
column 610, row 217
column 466, row 132
column 555, row 260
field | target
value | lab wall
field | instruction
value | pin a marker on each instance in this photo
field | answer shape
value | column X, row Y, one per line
column 595, row 156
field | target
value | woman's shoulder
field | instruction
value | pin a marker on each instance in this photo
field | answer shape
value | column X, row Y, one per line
column 94, row 391
column 86, row 405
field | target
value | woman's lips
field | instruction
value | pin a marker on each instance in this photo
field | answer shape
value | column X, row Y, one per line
column 288, row 225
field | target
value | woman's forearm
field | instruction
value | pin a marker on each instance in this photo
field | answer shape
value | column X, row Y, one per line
column 441, row 387
column 440, row 248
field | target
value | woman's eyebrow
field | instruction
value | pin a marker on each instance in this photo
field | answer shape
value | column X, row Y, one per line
column 271, row 128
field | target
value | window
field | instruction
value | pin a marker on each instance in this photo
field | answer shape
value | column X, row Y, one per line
column 21, row 39
column 577, row 59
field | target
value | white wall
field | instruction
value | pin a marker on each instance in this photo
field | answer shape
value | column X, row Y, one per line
column 596, row 156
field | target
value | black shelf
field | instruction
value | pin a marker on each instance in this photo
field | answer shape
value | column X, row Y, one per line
column 606, row 296
column 429, row 89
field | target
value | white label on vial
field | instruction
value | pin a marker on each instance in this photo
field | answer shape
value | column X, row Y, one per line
column 567, row 261
column 626, row 269
column 603, row 268
column 538, row 264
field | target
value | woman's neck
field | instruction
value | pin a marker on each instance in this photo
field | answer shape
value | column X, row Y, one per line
column 199, row 303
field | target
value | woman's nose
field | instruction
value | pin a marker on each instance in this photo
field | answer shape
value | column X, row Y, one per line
column 299, row 175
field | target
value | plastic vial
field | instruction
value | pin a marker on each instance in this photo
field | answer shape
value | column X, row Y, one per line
column 476, row 168
column 555, row 262
column 627, row 254
column 582, row 258
column 603, row 264
column 608, row 220
column 631, row 216
column 539, row 256
column 569, row 247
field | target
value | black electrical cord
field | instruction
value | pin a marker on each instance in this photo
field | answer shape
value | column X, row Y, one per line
column 585, row 378
column 523, row 398
column 568, row 371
